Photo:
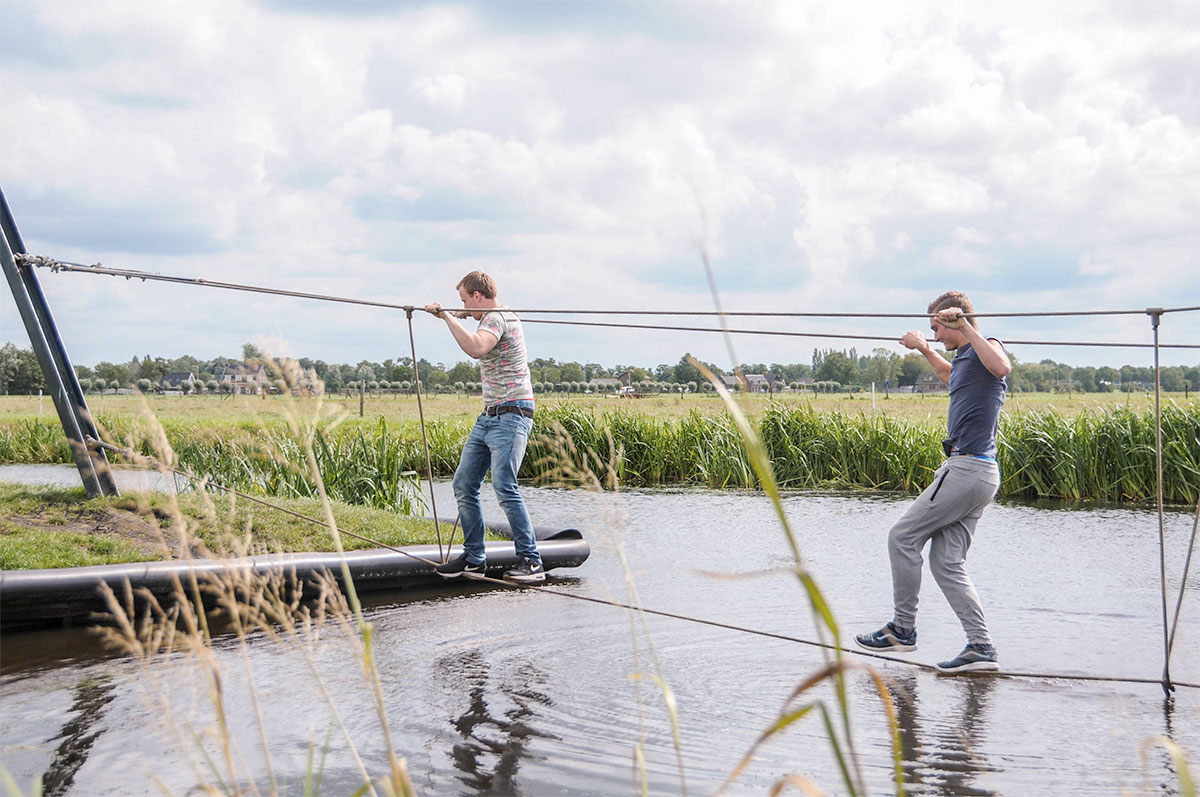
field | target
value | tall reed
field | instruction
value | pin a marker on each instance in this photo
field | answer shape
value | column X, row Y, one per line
column 1105, row 455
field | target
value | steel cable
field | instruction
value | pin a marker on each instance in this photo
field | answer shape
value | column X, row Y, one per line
column 42, row 261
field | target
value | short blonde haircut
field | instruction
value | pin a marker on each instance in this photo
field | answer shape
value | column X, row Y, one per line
column 954, row 299
column 478, row 281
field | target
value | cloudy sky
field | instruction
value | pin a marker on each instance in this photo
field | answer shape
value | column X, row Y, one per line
column 836, row 157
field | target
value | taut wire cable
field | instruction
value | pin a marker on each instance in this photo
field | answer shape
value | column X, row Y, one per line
column 891, row 339
column 1187, row 567
column 1162, row 534
column 425, row 440
column 42, row 261
column 135, row 457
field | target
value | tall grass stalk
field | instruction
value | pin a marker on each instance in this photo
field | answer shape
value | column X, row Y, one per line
column 846, row 758
column 1183, row 771
column 271, row 605
column 563, row 460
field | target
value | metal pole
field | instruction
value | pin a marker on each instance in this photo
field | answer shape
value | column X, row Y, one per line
column 61, row 381
column 425, row 439
column 1155, row 314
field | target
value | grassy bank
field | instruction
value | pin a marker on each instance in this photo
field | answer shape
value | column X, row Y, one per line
column 1102, row 452
column 45, row 527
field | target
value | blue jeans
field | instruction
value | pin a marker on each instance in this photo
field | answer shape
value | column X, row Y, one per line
column 496, row 443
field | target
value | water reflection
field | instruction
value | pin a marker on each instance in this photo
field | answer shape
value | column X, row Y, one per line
column 943, row 754
column 495, row 738
column 92, row 696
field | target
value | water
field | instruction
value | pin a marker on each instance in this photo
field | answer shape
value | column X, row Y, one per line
column 491, row 690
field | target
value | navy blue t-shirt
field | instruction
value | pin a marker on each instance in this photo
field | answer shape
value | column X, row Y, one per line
column 976, row 396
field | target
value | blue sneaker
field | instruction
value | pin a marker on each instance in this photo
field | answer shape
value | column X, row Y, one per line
column 888, row 638
column 975, row 656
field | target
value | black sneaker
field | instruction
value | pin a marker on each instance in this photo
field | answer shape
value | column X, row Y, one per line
column 528, row 571
column 888, row 638
column 461, row 567
column 975, row 656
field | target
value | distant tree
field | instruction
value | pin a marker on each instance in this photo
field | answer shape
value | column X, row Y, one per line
column 1107, row 379
column 1085, row 379
column 837, row 367
column 432, row 375
column 573, row 372
column 912, row 367
column 85, row 384
column 155, row 369
column 462, row 372
column 20, row 372
column 1172, row 379
column 251, row 353
column 144, row 385
column 212, row 385
column 882, row 366
column 402, row 370
column 113, row 374
column 684, row 371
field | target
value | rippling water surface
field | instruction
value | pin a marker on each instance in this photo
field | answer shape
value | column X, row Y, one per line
column 492, row 690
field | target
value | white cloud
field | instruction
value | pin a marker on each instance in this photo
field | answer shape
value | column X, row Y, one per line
column 825, row 156
column 443, row 91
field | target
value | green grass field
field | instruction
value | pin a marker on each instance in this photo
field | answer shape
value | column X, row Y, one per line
column 224, row 410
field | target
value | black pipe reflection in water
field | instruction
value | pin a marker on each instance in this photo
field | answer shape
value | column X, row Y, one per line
column 92, row 696
column 942, row 755
column 493, row 746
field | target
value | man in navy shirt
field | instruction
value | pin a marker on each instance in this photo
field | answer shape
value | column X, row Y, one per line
column 945, row 514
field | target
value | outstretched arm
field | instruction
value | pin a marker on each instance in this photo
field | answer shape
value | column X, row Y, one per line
column 916, row 340
column 473, row 344
column 991, row 353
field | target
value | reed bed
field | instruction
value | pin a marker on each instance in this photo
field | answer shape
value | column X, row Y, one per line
column 1104, row 454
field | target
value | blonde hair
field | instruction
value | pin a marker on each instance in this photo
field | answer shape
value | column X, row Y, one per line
column 953, row 299
column 478, row 281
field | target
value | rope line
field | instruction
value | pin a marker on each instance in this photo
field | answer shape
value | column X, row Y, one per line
column 891, row 339
column 425, row 441
column 42, row 261
column 857, row 652
column 1162, row 544
column 135, row 457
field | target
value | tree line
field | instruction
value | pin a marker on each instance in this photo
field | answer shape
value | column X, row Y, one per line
column 832, row 369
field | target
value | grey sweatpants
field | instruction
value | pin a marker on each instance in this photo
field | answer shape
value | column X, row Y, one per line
column 945, row 516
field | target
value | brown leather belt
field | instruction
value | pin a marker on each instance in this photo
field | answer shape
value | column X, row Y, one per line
column 504, row 409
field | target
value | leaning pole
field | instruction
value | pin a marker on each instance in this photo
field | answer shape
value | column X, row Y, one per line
column 52, row 357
